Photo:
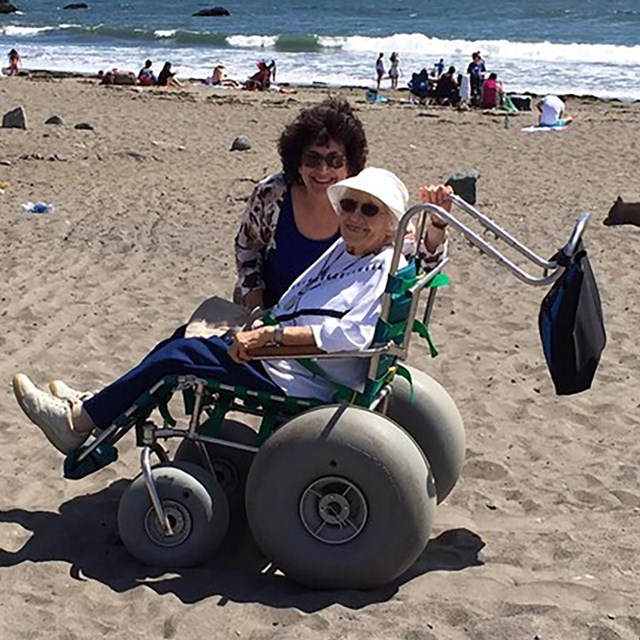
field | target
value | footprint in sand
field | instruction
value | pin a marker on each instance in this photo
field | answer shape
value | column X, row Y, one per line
column 484, row 470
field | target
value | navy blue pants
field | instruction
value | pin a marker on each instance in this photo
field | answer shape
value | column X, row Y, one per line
column 202, row 357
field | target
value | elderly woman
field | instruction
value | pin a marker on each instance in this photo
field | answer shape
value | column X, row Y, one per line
column 334, row 305
column 289, row 221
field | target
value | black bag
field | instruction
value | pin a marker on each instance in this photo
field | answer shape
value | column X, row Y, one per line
column 521, row 103
column 572, row 325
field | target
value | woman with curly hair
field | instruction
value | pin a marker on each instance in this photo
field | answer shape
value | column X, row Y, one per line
column 288, row 221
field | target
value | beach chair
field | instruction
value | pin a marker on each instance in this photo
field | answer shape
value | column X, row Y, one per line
column 338, row 495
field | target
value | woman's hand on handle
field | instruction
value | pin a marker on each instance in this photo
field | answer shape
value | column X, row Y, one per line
column 244, row 341
column 436, row 231
column 436, row 194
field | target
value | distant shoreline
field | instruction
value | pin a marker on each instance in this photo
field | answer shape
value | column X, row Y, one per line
column 64, row 75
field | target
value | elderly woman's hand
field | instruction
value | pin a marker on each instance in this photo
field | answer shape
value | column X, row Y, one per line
column 438, row 195
column 244, row 341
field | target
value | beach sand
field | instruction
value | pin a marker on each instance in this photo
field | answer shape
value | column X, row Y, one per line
column 539, row 538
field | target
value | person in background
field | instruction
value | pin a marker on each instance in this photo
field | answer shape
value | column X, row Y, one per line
column 447, row 88
column 261, row 80
column 14, row 63
column 552, row 112
column 146, row 77
column 379, row 70
column 394, row 69
column 420, row 85
column 439, row 68
column 218, row 78
column 167, row 78
column 492, row 92
column 476, row 72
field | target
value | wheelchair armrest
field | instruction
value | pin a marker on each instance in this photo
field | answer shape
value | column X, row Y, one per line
column 285, row 351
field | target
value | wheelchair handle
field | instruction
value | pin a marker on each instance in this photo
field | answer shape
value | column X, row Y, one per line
column 551, row 269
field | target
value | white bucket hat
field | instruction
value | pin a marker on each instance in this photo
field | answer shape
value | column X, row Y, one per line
column 380, row 183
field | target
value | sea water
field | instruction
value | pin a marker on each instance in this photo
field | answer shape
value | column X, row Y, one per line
column 583, row 47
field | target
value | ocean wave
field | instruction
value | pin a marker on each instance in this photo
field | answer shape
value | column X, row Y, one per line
column 23, row 32
column 418, row 43
column 251, row 42
column 298, row 43
column 404, row 43
column 303, row 43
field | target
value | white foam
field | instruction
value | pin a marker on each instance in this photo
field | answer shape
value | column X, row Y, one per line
column 419, row 43
column 252, row 42
column 164, row 33
column 21, row 32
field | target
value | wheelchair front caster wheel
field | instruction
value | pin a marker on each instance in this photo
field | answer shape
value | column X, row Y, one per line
column 197, row 510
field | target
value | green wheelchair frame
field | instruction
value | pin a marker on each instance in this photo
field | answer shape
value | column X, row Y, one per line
column 208, row 402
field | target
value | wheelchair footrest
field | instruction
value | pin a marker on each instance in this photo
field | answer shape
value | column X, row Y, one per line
column 102, row 456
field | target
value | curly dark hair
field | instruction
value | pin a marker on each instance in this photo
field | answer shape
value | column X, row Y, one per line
column 332, row 119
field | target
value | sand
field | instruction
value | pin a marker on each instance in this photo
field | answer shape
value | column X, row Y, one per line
column 147, row 204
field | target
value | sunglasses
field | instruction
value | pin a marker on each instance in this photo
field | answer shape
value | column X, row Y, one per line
column 333, row 160
column 368, row 209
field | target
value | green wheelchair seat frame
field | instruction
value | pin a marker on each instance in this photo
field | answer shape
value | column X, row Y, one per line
column 207, row 402
column 321, row 479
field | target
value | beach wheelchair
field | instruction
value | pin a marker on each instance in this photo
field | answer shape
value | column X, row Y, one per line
column 337, row 495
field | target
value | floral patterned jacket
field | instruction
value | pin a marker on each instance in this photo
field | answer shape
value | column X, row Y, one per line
column 256, row 234
column 257, row 231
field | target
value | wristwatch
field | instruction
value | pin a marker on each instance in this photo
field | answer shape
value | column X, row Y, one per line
column 278, row 335
column 438, row 224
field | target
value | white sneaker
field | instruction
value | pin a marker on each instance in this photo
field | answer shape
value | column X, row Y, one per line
column 62, row 390
column 52, row 415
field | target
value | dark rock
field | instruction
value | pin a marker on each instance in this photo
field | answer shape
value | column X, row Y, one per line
column 241, row 143
column 54, row 119
column 214, row 11
column 464, row 184
column 76, row 5
column 84, row 125
column 7, row 7
column 15, row 119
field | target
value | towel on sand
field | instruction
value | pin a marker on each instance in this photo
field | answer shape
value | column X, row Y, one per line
column 532, row 129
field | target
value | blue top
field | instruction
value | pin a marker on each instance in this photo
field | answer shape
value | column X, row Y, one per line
column 293, row 254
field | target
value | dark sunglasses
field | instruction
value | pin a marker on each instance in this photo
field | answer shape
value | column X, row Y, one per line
column 368, row 209
column 333, row 160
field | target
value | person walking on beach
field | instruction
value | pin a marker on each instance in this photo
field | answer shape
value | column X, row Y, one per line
column 394, row 70
column 14, row 63
column 476, row 72
column 379, row 70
